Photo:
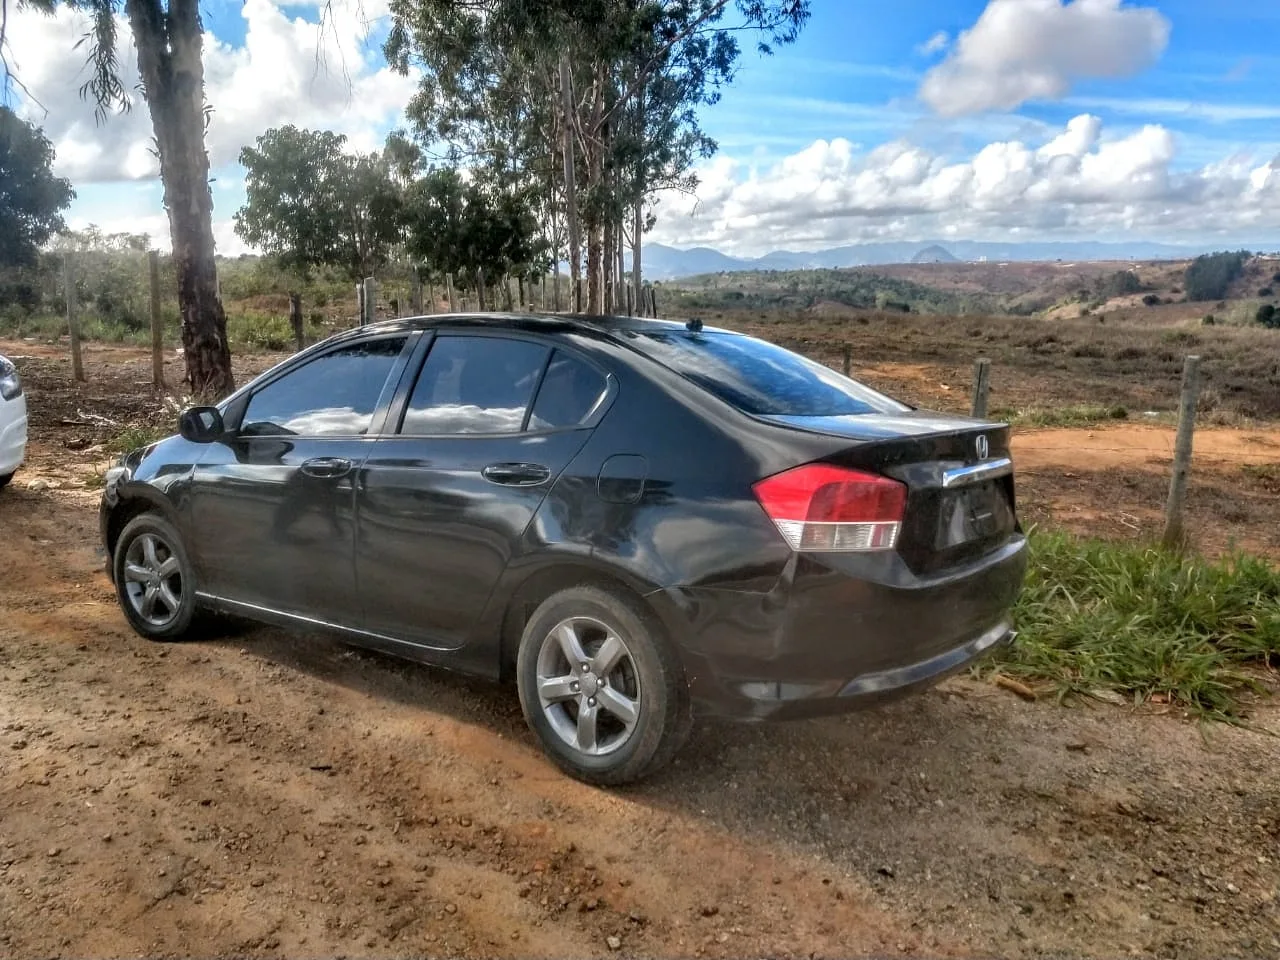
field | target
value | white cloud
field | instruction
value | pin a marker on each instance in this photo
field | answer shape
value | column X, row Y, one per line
column 1181, row 109
column 935, row 44
column 287, row 71
column 1022, row 50
column 1077, row 183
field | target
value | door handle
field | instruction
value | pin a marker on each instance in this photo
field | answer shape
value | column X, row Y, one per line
column 516, row 474
column 326, row 468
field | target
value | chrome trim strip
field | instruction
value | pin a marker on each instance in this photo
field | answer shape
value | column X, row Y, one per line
column 252, row 608
column 989, row 470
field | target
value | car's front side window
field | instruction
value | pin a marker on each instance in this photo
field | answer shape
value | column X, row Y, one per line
column 474, row 385
column 334, row 395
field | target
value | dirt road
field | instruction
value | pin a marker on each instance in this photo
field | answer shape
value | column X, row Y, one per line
column 271, row 794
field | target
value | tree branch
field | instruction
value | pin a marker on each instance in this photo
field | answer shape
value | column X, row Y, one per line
column 646, row 71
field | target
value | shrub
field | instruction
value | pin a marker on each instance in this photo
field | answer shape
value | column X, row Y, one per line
column 1150, row 300
column 1268, row 317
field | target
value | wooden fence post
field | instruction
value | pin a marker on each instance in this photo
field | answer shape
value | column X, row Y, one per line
column 630, row 306
column 370, row 301
column 295, row 320
column 653, row 299
column 415, row 291
column 847, row 360
column 73, row 322
column 157, row 328
column 480, row 297
column 1174, row 530
column 448, row 285
column 360, row 304
column 981, row 387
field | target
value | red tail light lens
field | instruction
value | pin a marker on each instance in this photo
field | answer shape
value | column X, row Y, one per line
column 819, row 507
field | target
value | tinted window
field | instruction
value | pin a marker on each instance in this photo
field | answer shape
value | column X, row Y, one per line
column 761, row 378
column 474, row 385
column 333, row 395
column 569, row 392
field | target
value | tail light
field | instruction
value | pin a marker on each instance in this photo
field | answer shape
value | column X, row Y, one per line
column 821, row 508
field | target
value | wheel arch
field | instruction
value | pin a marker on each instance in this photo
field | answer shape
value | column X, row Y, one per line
column 550, row 578
column 133, row 503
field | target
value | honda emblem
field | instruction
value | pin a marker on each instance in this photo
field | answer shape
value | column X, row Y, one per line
column 984, row 449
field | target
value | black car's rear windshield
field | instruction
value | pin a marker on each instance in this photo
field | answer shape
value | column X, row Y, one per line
column 761, row 378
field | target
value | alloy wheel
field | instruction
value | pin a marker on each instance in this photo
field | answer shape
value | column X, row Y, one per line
column 588, row 686
column 153, row 580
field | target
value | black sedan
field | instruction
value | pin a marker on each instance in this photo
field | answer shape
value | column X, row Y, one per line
column 637, row 520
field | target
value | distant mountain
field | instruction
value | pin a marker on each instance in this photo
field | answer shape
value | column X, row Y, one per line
column 662, row 262
column 934, row 254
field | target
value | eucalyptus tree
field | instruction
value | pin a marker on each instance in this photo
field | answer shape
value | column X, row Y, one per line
column 571, row 89
column 168, row 37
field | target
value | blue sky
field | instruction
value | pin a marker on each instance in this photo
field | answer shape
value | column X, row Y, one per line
column 862, row 129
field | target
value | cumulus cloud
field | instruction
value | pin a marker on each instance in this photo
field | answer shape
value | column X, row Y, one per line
column 1077, row 182
column 288, row 70
column 1022, row 50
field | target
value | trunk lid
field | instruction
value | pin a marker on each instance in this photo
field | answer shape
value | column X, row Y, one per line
column 960, row 491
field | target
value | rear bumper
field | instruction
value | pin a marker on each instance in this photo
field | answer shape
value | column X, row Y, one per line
column 825, row 641
column 13, row 434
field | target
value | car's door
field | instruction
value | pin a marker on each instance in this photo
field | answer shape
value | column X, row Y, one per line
column 272, row 506
column 489, row 423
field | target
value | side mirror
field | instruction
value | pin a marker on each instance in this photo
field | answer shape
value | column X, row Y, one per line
column 201, row 425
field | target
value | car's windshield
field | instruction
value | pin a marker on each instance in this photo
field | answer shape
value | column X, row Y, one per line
column 761, row 378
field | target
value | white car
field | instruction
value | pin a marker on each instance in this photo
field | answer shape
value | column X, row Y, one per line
column 13, row 421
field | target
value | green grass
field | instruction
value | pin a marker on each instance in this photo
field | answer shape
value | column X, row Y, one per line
column 1083, row 415
column 138, row 435
column 1141, row 622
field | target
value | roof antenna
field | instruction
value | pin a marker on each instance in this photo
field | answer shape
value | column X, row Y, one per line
column 694, row 325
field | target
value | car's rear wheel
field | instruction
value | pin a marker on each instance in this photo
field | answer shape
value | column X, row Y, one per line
column 601, row 686
column 154, row 580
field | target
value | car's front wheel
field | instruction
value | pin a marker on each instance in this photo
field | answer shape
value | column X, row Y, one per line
column 601, row 686
column 154, row 580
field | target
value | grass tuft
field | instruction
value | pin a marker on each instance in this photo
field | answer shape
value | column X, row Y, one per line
column 1071, row 416
column 1143, row 622
column 137, row 435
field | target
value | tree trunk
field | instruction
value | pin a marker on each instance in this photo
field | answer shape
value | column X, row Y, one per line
column 480, row 287
column 610, row 238
column 570, row 185
column 637, row 234
column 172, row 72
column 621, row 284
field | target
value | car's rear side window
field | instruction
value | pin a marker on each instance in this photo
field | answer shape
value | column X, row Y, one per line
column 761, row 378
column 570, row 391
column 474, row 385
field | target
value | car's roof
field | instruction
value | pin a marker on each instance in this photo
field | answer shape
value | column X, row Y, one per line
column 535, row 323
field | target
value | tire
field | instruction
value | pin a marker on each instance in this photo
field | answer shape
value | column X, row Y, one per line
column 643, row 671
column 4, row 479
column 149, row 546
